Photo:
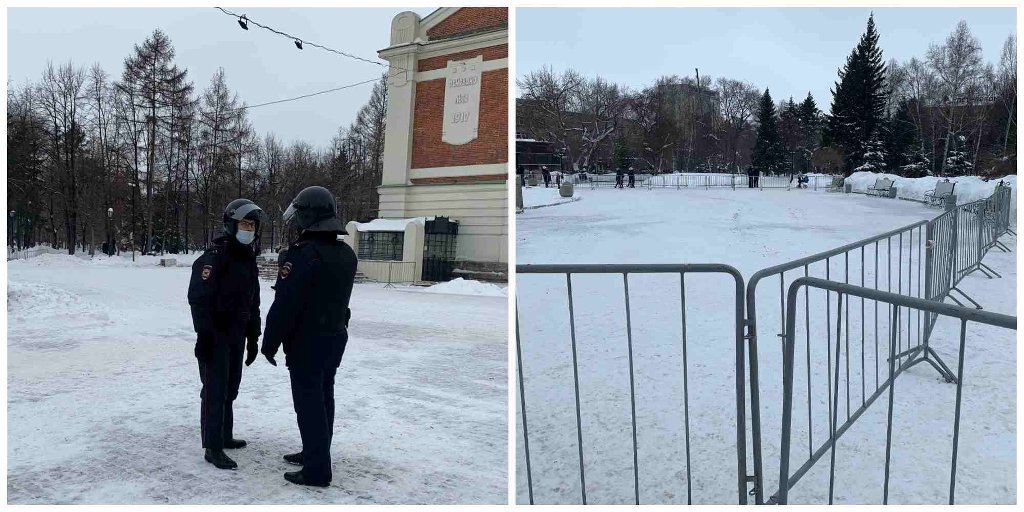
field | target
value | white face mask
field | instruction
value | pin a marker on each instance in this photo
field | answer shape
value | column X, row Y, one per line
column 245, row 237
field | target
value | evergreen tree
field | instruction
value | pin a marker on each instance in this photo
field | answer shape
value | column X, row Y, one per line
column 874, row 156
column 918, row 165
column 769, row 154
column 859, row 97
column 957, row 161
column 809, row 118
column 791, row 135
column 901, row 140
column 622, row 156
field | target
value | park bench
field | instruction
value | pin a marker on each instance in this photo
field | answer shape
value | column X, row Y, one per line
column 881, row 188
column 943, row 190
column 836, row 185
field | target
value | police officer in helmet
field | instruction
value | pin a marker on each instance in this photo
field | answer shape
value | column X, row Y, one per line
column 224, row 295
column 309, row 318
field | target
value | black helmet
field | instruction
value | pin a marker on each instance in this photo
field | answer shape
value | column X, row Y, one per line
column 241, row 209
column 314, row 209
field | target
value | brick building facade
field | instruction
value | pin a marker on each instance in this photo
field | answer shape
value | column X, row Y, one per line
column 425, row 174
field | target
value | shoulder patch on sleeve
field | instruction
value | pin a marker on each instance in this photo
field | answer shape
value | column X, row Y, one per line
column 285, row 270
column 207, row 272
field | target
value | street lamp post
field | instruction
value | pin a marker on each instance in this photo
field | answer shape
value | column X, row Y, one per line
column 110, row 242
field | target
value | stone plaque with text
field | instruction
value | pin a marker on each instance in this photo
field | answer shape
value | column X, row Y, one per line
column 461, row 101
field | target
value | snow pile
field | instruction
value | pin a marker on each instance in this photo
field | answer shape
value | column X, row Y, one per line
column 968, row 188
column 389, row 224
column 47, row 256
column 42, row 303
column 460, row 286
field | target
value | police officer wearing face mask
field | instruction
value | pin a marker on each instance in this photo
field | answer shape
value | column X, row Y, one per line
column 224, row 294
column 309, row 318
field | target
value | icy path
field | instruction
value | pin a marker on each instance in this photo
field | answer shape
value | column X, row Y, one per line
column 103, row 394
column 750, row 230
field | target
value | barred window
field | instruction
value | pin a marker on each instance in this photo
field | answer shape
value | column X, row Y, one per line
column 381, row 245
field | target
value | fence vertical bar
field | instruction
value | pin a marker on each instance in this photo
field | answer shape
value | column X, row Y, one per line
column 686, row 389
column 835, row 418
column 576, row 383
column 863, row 385
column 846, row 279
column 892, row 390
column 632, row 390
column 807, row 333
column 522, row 407
column 956, row 421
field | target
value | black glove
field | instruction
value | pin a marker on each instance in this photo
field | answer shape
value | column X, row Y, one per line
column 269, row 356
column 251, row 349
column 204, row 346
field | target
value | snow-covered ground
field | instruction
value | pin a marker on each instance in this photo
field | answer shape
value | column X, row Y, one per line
column 103, row 395
column 750, row 230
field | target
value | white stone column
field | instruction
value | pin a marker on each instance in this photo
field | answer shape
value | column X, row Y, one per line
column 397, row 158
column 412, row 247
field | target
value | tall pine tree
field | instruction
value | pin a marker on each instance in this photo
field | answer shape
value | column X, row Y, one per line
column 769, row 154
column 809, row 118
column 858, row 100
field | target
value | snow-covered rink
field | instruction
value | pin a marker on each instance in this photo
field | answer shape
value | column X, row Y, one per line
column 749, row 230
column 103, row 396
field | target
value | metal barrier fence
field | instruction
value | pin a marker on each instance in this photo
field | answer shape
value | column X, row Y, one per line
column 625, row 271
column 388, row 272
column 896, row 302
column 891, row 261
column 920, row 264
column 698, row 180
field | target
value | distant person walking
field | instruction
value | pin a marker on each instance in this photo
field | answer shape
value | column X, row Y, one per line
column 632, row 177
column 618, row 178
column 546, row 175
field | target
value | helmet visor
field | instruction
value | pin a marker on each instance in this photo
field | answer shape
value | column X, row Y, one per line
column 289, row 214
column 247, row 210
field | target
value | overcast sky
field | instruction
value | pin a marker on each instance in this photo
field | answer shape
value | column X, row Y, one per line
column 792, row 51
column 259, row 65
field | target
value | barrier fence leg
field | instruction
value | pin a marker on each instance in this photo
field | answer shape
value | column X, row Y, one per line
column 892, row 390
column 522, row 407
column 576, row 384
column 835, row 404
column 956, row 419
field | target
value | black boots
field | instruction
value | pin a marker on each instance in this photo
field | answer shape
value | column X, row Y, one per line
column 294, row 458
column 220, row 459
column 233, row 444
column 297, row 478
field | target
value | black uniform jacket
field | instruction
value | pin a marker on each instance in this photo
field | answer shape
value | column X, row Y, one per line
column 224, row 291
column 309, row 316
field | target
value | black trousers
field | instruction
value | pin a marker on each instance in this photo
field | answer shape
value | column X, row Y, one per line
column 313, row 397
column 221, row 374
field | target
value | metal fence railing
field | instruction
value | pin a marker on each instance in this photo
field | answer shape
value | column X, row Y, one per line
column 892, row 358
column 574, row 341
column 388, row 272
column 887, row 293
column 891, row 261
